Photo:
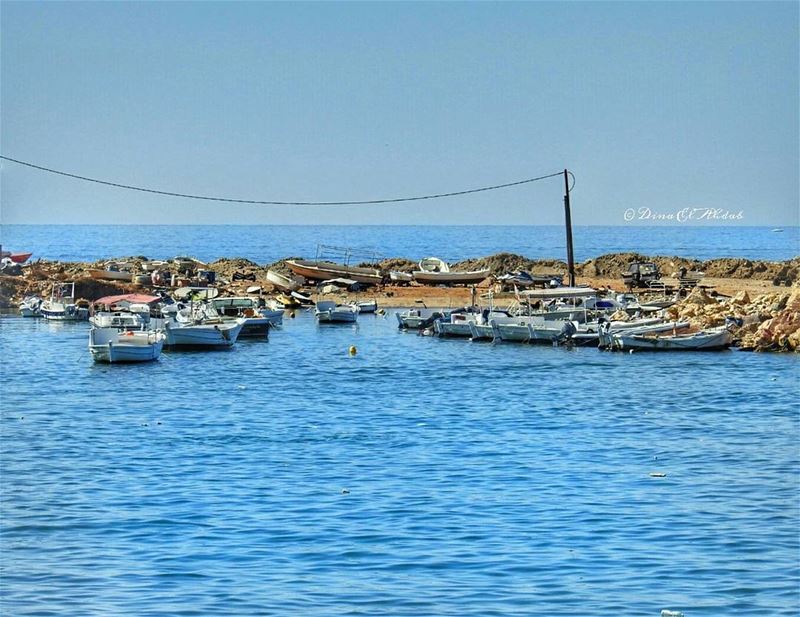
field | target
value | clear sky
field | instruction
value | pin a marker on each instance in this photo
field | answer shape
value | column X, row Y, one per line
column 657, row 105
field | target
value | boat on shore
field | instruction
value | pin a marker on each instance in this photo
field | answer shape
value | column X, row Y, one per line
column 283, row 282
column 17, row 258
column 435, row 271
column 318, row 270
column 111, row 273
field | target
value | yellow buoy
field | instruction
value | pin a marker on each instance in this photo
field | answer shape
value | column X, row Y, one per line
column 353, row 350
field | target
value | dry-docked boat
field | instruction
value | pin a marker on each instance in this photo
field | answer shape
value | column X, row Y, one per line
column 324, row 270
column 114, row 345
column 330, row 312
column 434, row 271
column 713, row 339
column 17, row 258
column 113, row 272
column 284, row 283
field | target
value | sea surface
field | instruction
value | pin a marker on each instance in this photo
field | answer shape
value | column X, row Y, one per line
column 266, row 244
column 419, row 477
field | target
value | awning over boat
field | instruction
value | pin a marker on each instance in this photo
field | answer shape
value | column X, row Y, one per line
column 129, row 298
column 559, row 292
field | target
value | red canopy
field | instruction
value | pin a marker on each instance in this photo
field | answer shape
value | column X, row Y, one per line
column 130, row 298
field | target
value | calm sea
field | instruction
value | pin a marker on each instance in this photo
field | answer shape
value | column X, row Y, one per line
column 420, row 477
column 265, row 244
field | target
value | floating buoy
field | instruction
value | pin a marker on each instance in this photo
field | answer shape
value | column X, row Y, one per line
column 353, row 350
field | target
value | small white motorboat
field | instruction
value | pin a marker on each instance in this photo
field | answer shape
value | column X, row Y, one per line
column 30, row 306
column 459, row 322
column 113, row 345
column 62, row 306
column 330, row 312
column 183, row 329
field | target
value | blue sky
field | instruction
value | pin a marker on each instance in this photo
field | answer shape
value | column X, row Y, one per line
column 652, row 105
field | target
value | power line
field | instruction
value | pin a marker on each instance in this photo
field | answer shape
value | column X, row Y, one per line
column 280, row 203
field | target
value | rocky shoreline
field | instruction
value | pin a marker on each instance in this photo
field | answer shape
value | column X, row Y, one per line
column 763, row 295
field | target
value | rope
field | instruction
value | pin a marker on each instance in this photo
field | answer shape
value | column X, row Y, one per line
column 280, row 203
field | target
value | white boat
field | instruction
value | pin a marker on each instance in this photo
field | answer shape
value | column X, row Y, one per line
column 434, row 271
column 713, row 339
column 330, row 312
column 459, row 322
column 257, row 320
column 113, row 271
column 30, row 306
column 400, row 278
column 184, row 329
column 416, row 319
column 119, row 320
column 367, row 306
column 114, row 345
column 285, row 283
column 62, row 306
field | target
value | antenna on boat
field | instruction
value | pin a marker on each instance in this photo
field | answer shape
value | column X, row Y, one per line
column 568, row 223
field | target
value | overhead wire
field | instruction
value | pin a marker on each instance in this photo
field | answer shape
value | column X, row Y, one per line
column 281, row 203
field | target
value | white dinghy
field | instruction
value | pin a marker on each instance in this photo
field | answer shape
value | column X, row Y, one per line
column 113, row 345
column 330, row 312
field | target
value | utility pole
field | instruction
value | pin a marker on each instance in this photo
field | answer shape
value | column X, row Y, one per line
column 568, row 223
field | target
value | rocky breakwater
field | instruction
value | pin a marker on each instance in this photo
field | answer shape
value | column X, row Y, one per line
column 769, row 322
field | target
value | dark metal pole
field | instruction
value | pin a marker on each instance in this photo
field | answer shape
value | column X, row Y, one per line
column 568, row 222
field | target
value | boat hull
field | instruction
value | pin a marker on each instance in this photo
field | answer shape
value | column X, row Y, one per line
column 108, row 275
column 450, row 278
column 63, row 312
column 115, row 353
column 203, row 335
column 284, row 283
column 323, row 271
column 703, row 341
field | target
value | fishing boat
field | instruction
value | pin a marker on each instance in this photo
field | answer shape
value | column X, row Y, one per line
column 62, row 306
column 417, row 319
column 330, row 312
column 319, row 270
column 257, row 320
column 115, row 345
column 400, row 278
column 458, row 323
column 284, row 283
column 184, row 328
column 30, row 306
column 712, row 339
column 435, row 271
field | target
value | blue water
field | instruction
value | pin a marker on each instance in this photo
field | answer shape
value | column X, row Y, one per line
column 265, row 244
column 420, row 477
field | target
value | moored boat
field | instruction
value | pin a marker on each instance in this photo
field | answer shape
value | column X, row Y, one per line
column 30, row 306
column 712, row 339
column 62, row 305
column 113, row 345
column 330, row 312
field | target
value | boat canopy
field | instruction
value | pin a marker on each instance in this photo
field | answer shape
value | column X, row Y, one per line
column 559, row 292
column 130, row 298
